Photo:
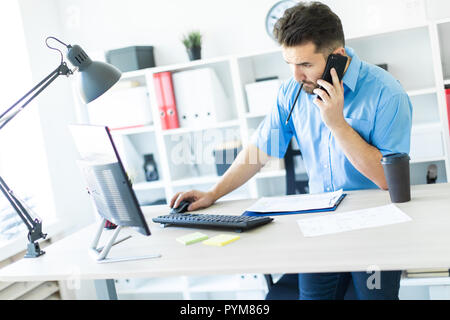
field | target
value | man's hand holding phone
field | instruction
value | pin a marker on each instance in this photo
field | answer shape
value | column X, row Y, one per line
column 330, row 94
column 331, row 104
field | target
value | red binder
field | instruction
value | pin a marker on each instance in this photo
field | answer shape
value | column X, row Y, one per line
column 166, row 100
column 160, row 99
column 169, row 97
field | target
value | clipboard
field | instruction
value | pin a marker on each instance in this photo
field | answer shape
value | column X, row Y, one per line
column 268, row 214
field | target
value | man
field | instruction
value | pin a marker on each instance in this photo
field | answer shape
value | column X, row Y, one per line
column 342, row 136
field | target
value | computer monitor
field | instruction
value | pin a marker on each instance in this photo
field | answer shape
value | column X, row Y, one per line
column 108, row 185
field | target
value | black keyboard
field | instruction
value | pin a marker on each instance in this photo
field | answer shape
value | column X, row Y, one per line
column 238, row 223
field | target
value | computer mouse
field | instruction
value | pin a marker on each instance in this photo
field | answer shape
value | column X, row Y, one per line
column 181, row 208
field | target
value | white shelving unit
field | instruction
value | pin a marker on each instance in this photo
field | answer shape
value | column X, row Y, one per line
column 419, row 57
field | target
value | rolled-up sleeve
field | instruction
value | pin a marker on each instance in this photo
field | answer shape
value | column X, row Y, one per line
column 273, row 136
column 393, row 123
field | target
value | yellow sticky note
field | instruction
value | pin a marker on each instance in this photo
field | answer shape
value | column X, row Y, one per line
column 192, row 238
column 221, row 240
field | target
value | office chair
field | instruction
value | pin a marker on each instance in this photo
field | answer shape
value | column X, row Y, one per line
column 286, row 288
column 293, row 186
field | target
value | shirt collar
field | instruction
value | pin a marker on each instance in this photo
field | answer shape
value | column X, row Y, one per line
column 351, row 75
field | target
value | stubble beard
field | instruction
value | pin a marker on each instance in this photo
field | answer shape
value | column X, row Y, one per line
column 309, row 87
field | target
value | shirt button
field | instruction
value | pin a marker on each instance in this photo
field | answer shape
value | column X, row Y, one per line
column 328, row 189
column 325, row 166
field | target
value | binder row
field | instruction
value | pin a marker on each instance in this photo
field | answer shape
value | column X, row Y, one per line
column 191, row 99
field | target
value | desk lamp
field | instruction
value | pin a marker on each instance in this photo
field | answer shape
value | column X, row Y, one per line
column 95, row 78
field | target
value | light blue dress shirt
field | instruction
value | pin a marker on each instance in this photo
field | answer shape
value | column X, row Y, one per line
column 375, row 105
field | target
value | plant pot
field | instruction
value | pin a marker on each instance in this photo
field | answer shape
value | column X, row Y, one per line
column 194, row 53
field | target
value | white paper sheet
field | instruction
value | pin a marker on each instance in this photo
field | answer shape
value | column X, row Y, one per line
column 296, row 203
column 354, row 220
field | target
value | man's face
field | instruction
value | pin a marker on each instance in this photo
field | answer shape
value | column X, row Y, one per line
column 307, row 65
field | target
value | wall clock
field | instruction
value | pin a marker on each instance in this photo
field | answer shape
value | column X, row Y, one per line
column 275, row 13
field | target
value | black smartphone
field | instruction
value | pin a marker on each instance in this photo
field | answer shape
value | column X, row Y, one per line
column 334, row 61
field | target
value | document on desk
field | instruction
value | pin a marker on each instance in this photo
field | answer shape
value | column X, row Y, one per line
column 297, row 203
column 353, row 220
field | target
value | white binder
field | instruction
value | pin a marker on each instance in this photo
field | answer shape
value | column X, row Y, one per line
column 200, row 98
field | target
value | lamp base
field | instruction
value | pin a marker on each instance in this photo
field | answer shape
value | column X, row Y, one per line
column 33, row 250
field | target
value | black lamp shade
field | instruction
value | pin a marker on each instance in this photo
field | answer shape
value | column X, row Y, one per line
column 95, row 77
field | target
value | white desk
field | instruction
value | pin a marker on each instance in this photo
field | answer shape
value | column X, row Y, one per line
column 278, row 247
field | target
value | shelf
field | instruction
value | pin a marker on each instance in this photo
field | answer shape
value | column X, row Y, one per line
column 197, row 284
column 180, row 66
column 135, row 130
column 134, row 74
column 195, row 180
column 409, row 282
column 426, row 127
column 221, row 125
column 220, row 284
column 192, row 64
column 142, row 186
column 155, row 285
column 254, row 116
column 424, row 160
column 413, row 93
column 443, row 21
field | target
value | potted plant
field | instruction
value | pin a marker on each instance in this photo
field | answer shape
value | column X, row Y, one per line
column 193, row 43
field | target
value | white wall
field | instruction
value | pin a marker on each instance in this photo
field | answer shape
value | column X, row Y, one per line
column 375, row 16
column 438, row 9
column 56, row 110
column 229, row 27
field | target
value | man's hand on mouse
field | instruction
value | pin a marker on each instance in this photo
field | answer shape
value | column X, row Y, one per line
column 198, row 199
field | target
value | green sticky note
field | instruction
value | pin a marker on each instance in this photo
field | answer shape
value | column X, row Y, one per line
column 192, row 238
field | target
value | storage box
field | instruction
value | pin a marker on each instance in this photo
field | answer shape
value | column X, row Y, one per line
column 121, row 108
column 262, row 96
column 131, row 58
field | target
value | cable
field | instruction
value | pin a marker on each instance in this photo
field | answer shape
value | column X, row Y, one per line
column 56, row 49
column 293, row 105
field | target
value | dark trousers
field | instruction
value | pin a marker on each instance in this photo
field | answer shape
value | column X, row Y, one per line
column 383, row 285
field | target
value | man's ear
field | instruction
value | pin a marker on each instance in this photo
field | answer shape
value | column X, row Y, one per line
column 340, row 51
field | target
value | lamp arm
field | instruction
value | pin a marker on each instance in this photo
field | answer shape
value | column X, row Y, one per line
column 62, row 69
column 34, row 225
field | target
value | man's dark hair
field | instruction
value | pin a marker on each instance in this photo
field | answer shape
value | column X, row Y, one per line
column 310, row 22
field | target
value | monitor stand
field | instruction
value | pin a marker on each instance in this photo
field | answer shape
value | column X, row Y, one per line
column 100, row 254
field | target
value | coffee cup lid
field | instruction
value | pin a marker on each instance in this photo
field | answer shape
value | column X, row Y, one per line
column 395, row 157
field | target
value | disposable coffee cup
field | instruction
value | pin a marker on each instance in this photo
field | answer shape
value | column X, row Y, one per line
column 396, row 171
